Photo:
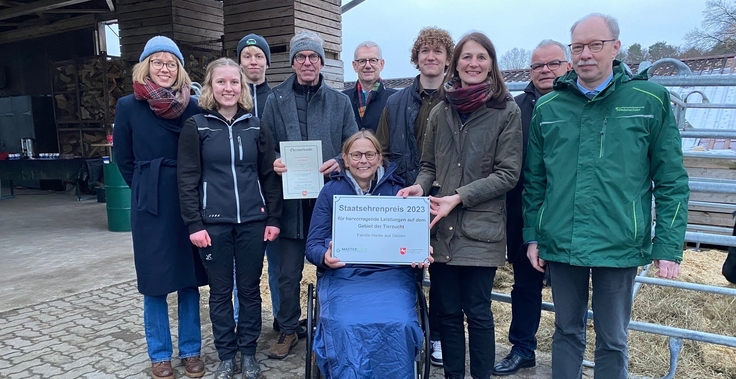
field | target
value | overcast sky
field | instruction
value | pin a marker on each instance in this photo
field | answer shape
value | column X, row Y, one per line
column 394, row 24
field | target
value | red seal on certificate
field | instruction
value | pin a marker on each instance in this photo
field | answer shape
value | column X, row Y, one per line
column 304, row 193
column 402, row 251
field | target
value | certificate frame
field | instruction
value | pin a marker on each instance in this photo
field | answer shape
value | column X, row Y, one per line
column 380, row 229
column 302, row 179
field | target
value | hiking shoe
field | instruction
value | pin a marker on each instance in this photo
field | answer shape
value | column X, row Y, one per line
column 281, row 348
column 193, row 367
column 226, row 370
column 435, row 353
column 250, row 367
column 162, row 370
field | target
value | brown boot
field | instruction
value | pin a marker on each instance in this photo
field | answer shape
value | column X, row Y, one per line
column 162, row 370
column 281, row 348
column 193, row 367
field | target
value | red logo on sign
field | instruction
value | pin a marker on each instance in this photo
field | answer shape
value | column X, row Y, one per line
column 402, row 251
column 304, row 193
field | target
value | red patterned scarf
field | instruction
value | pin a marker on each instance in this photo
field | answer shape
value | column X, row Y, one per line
column 469, row 99
column 164, row 102
column 363, row 101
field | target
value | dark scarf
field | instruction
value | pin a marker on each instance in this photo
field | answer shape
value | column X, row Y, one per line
column 363, row 102
column 164, row 102
column 469, row 99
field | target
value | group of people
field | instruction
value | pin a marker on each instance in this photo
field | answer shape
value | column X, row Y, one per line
column 558, row 179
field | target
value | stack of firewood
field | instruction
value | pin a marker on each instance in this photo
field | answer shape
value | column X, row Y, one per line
column 100, row 84
column 197, row 66
column 71, row 144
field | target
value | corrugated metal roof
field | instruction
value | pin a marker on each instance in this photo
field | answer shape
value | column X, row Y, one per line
column 709, row 118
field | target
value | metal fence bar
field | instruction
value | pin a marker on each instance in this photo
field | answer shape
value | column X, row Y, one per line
column 687, row 286
column 667, row 81
column 696, row 154
column 720, row 186
column 695, row 133
column 710, row 239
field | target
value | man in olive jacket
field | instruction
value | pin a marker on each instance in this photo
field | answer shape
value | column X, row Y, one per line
column 601, row 144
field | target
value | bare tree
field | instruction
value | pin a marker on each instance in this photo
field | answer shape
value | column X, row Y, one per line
column 718, row 28
column 515, row 59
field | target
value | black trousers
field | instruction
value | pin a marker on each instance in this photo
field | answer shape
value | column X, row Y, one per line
column 244, row 243
column 291, row 259
column 465, row 292
column 526, row 308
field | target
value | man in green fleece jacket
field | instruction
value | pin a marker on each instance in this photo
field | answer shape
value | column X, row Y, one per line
column 601, row 144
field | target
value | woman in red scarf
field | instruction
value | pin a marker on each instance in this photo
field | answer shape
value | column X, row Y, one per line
column 146, row 135
column 473, row 150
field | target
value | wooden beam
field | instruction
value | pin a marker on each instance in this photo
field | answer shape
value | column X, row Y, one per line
column 80, row 11
column 37, row 7
column 74, row 23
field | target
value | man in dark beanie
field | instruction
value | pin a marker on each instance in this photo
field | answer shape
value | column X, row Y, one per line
column 254, row 56
column 302, row 108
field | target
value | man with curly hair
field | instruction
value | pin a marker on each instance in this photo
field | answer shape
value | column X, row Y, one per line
column 405, row 119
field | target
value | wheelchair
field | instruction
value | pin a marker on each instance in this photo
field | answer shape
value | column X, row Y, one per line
column 421, row 365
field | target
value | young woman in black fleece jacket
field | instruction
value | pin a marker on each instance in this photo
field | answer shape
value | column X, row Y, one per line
column 231, row 202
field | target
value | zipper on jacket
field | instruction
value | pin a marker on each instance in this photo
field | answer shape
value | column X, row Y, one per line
column 260, row 191
column 204, row 189
column 636, row 229
column 240, row 148
column 255, row 101
column 603, row 137
column 232, row 167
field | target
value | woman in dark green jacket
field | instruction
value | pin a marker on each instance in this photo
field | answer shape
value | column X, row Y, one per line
column 473, row 150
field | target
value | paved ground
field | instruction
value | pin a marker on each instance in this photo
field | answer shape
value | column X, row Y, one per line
column 68, row 303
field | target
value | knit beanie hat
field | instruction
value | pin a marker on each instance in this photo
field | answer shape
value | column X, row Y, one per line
column 306, row 40
column 257, row 41
column 158, row 44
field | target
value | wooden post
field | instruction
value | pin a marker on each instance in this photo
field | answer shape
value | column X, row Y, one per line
column 277, row 21
column 184, row 21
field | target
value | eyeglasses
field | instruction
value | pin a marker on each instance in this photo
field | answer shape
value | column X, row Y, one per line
column 159, row 65
column 301, row 58
column 362, row 62
column 552, row 65
column 593, row 46
column 369, row 155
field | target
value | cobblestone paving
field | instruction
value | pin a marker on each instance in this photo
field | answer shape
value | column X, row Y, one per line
column 98, row 334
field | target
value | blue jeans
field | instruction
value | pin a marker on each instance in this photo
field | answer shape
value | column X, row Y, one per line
column 158, row 333
column 272, row 255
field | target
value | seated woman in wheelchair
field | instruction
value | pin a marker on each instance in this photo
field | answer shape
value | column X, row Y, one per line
column 367, row 325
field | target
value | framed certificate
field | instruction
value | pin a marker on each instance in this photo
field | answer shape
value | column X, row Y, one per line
column 380, row 229
column 302, row 179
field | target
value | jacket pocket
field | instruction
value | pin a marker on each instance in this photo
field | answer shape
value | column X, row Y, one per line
column 638, row 221
column 485, row 222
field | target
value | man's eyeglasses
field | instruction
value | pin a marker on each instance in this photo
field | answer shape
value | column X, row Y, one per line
column 159, row 65
column 552, row 65
column 369, row 155
column 362, row 62
column 301, row 58
column 593, row 46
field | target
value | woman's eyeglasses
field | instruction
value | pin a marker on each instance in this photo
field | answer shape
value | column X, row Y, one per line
column 172, row 66
column 369, row 155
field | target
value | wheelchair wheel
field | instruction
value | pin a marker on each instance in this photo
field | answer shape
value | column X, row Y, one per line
column 310, row 367
column 423, row 364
